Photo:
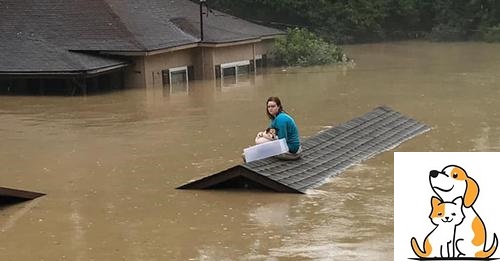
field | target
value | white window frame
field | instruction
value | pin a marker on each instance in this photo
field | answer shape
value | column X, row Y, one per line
column 178, row 69
column 233, row 64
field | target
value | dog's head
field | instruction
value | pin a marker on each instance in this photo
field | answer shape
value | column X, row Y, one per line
column 271, row 132
column 453, row 182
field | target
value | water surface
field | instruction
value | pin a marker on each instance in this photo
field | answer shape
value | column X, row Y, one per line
column 110, row 163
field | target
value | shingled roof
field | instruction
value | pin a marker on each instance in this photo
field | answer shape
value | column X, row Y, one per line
column 28, row 56
column 40, row 35
column 324, row 155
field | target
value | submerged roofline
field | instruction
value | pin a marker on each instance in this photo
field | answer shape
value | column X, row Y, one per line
column 235, row 172
column 20, row 194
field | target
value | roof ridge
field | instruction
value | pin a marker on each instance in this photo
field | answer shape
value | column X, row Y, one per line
column 168, row 20
column 122, row 25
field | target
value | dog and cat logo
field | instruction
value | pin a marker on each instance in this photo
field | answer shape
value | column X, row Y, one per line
column 459, row 231
column 455, row 228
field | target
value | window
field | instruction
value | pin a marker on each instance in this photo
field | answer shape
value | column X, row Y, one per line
column 229, row 71
column 229, row 75
column 243, row 70
column 233, row 73
column 177, row 79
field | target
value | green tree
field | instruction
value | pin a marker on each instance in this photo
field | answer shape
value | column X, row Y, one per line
column 344, row 21
column 302, row 47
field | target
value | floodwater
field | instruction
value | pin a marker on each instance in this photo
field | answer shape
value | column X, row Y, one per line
column 110, row 163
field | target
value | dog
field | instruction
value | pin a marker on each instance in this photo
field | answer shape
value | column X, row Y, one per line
column 265, row 136
column 470, row 236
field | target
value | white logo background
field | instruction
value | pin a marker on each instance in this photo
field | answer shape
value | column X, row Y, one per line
column 412, row 194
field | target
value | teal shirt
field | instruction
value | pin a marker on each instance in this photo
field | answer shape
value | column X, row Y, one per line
column 287, row 129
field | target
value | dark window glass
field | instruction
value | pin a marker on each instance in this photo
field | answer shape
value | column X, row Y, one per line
column 229, row 71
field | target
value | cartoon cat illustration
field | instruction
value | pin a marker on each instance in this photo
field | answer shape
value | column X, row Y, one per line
column 440, row 241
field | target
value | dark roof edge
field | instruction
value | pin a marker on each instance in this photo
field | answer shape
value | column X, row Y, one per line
column 211, row 180
column 17, row 193
column 147, row 52
column 238, row 170
column 66, row 73
column 239, row 41
column 185, row 46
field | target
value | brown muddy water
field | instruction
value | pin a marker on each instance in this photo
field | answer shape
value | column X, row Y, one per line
column 110, row 163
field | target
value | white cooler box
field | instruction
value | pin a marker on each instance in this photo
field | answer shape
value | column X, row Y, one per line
column 265, row 150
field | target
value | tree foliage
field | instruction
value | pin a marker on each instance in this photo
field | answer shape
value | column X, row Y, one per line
column 374, row 20
column 302, row 47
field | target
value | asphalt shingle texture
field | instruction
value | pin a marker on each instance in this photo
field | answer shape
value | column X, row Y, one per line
column 39, row 36
column 332, row 151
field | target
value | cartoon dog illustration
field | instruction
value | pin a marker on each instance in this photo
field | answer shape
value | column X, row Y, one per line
column 470, row 235
column 439, row 242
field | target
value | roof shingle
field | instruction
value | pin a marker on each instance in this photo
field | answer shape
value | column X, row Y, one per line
column 37, row 35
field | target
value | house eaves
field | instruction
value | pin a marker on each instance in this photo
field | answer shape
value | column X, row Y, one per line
column 187, row 46
column 68, row 73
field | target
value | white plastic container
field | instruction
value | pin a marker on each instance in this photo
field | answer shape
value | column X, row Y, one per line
column 265, row 150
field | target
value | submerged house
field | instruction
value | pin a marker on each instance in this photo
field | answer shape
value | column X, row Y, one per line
column 81, row 45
